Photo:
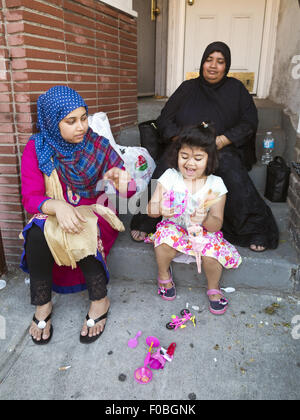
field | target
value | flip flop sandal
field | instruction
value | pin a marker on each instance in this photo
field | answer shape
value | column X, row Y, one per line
column 167, row 294
column 85, row 339
column 217, row 307
column 41, row 326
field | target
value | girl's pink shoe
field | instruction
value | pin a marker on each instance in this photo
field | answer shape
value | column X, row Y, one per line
column 167, row 294
column 217, row 307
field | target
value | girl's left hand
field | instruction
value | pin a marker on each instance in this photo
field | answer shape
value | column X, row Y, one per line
column 199, row 214
column 119, row 178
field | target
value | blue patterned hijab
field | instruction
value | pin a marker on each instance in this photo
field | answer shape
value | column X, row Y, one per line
column 52, row 107
column 81, row 165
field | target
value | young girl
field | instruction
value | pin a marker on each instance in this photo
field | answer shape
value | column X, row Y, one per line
column 188, row 195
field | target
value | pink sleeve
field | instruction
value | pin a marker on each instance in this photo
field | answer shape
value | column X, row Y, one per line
column 32, row 179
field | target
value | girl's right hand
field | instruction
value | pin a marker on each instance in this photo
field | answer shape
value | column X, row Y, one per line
column 167, row 211
column 68, row 217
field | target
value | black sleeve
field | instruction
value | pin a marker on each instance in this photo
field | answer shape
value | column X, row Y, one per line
column 248, row 122
column 166, row 122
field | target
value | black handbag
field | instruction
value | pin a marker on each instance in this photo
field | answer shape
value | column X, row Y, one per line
column 278, row 178
column 150, row 139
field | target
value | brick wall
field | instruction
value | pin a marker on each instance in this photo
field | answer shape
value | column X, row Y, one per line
column 294, row 202
column 84, row 44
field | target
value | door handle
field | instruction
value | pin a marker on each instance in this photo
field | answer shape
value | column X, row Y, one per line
column 155, row 11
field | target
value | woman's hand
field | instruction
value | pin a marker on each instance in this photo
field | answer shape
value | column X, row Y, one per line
column 68, row 217
column 119, row 178
column 222, row 141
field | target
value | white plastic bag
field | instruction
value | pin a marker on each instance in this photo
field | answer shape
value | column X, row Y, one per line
column 137, row 160
column 100, row 124
column 139, row 164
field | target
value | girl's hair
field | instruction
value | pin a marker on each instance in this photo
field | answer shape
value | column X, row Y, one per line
column 203, row 136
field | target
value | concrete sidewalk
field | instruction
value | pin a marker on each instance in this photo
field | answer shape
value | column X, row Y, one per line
column 252, row 352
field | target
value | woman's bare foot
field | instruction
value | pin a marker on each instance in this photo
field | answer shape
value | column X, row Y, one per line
column 138, row 236
column 257, row 248
column 97, row 309
column 41, row 314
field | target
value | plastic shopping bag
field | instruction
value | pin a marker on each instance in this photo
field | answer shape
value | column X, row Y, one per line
column 137, row 160
column 139, row 164
column 100, row 124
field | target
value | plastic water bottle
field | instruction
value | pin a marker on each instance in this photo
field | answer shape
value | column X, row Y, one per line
column 269, row 143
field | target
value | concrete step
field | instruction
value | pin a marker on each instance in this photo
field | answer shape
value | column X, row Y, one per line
column 269, row 114
column 272, row 270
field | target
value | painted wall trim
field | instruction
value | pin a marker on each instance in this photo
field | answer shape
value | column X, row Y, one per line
column 176, row 41
column 124, row 5
column 268, row 48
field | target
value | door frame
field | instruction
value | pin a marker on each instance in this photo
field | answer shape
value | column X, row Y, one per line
column 176, row 44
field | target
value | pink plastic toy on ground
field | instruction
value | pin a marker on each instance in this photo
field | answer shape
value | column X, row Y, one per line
column 159, row 359
column 179, row 322
column 143, row 374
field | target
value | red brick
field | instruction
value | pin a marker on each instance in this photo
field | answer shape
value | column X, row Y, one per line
column 78, row 9
column 15, row 27
column 14, row 15
column 44, row 8
column 17, row 52
column 7, row 128
column 6, row 107
column 13, row 3
column 52, row 22
column 10, row 207
column 14, row 40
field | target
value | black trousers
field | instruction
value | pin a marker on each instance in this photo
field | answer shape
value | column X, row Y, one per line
column 40, row 263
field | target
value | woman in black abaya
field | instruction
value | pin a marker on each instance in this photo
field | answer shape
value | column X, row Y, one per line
column 213, row 96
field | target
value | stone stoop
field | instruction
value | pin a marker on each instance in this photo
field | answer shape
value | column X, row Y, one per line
column 272, row 270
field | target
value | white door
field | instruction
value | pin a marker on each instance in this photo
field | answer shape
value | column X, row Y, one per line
column 238, row 23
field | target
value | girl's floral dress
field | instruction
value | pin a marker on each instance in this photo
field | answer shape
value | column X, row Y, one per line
column 173, row 231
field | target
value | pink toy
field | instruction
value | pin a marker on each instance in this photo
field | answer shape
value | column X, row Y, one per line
column 133, row 342
column 169, row 202
column 198, row 241
column 159, row 359
column 179, row 322
column 143, row 375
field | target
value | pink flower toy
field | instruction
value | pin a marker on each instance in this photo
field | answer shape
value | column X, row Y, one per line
column 170, row 201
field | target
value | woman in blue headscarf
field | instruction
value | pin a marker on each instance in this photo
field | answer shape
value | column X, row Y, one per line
column 68, row 239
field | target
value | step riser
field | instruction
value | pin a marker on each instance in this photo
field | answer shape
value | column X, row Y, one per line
column 130, row 264
column 269, row 117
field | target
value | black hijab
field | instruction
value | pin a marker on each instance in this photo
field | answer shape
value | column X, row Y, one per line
column 217, row 46
column 221, row 47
